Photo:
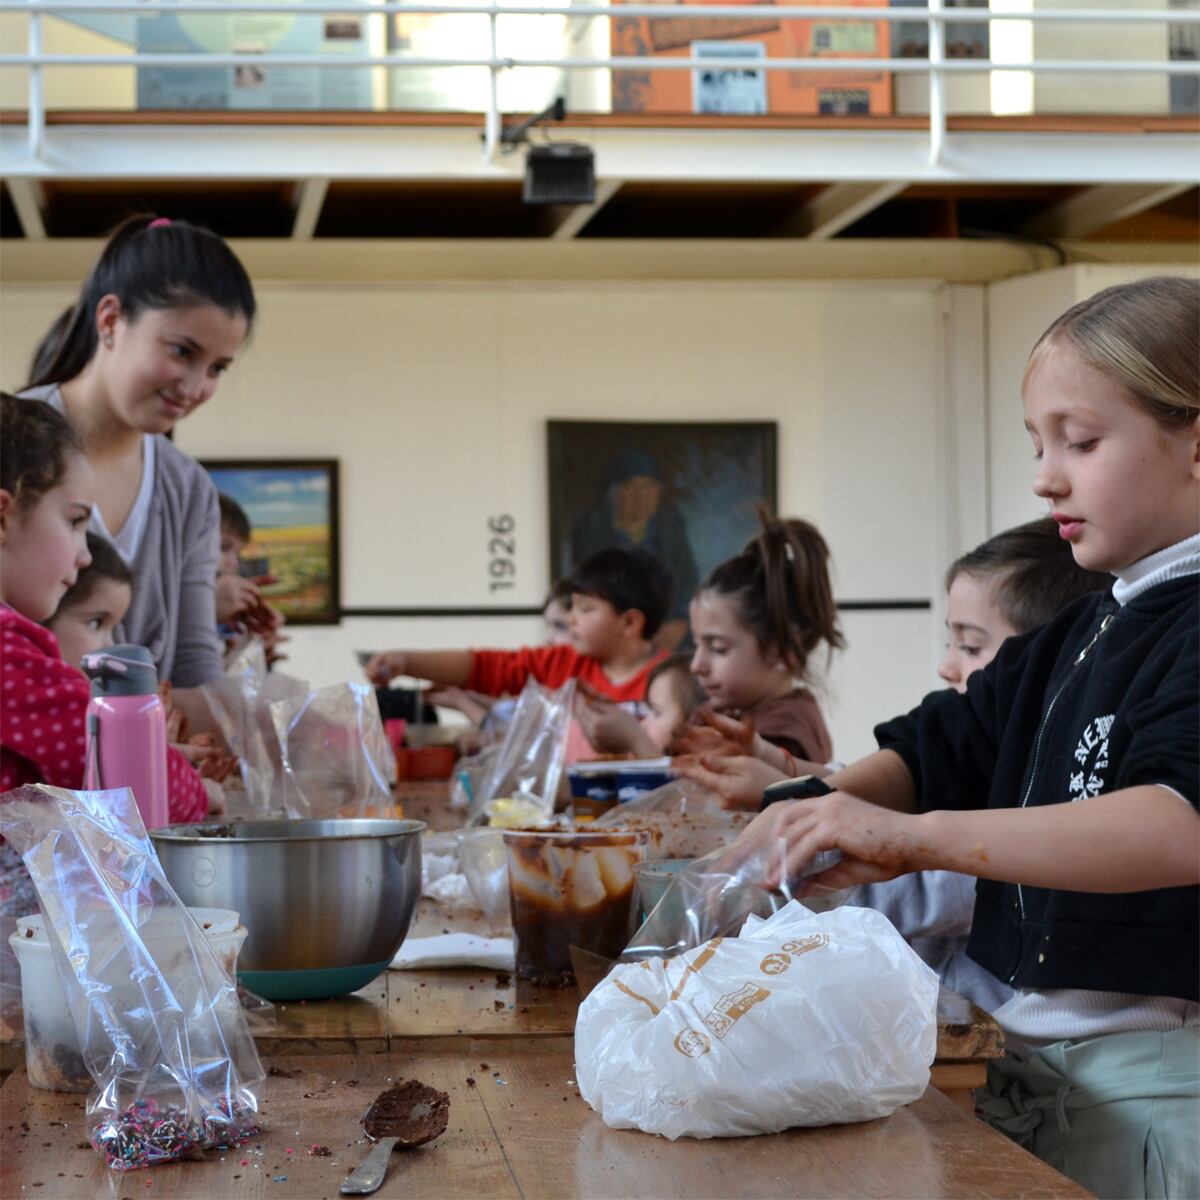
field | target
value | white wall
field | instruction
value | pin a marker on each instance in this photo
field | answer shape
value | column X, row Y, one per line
column 1019, row 311
column 435, row 399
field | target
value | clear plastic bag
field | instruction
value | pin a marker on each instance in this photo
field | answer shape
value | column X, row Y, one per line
column 801, row 1019
column 530, row 759
column 684, row 820
column 335, row 759
column 159, row 1021
column 240, row 704
column 484, row 862
column 717, row 894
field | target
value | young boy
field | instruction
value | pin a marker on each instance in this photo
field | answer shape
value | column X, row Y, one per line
column 619, row 598
column 240, row 606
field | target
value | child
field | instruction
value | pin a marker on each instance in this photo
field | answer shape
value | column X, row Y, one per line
column 673, row 694
column 756, row 621
column 94, row 604
column 556, row 614
column 619, row 598
column 241, row 610
column 1067, row 776
column 159, row 319
column 1012, row 583
column 46, row 491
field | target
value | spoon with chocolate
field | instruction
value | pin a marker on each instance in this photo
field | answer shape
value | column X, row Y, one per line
column 407, row 1115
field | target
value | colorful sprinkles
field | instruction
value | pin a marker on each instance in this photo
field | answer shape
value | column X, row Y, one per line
column 147, row 1133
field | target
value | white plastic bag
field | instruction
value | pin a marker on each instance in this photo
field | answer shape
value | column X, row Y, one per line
column 803, row 1019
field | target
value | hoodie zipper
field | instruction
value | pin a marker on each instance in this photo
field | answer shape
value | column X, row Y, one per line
column 1037, row 743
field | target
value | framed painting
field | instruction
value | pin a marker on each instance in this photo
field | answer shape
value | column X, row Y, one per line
column 292, row 507
column 687, row 490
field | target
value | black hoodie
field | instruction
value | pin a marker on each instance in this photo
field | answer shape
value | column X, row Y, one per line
column 1102, row 698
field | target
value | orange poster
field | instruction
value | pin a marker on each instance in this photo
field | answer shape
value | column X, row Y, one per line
column 710, row 89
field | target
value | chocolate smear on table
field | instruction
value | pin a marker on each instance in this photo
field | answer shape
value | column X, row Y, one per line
column 411, row 1111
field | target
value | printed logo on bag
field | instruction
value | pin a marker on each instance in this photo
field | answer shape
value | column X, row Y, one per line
column 777, row 963
column 691, row 1043
column 733, row 1006
column 1092, row 756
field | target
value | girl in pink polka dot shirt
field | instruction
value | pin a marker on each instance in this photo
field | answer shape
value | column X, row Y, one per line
column 46, row 495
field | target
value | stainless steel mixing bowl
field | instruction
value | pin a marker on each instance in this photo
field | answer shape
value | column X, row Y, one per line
column 327, row 903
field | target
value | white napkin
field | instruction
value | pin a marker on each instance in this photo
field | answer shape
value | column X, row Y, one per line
column 454, row 950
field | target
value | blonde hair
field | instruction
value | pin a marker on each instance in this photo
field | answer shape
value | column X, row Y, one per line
column 1144, row 336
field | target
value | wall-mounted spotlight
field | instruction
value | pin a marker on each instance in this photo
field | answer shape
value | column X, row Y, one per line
column 555, row 172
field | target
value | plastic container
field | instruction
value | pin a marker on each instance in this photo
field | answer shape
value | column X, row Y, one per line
column 52, row 1056
column 431, row 762
column 633, row 782
column 593, row 793
column 653, row 879
column 570, row 887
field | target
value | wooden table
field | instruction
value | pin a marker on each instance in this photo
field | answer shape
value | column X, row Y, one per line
column 518, row 1128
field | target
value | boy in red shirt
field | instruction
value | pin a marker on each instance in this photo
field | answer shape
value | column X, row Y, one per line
column 619, row 599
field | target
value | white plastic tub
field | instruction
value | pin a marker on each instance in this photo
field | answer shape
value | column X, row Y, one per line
column 52, row 1056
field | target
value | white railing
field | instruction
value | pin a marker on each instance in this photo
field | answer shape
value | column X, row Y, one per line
column 936, row 65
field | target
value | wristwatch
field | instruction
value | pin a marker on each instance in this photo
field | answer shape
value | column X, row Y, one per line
column 804, row 788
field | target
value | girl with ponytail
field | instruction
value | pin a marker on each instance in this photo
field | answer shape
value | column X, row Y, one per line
column 158, row 320
column 757, row 621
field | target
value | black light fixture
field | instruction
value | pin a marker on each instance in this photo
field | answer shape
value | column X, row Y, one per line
column 555, row 172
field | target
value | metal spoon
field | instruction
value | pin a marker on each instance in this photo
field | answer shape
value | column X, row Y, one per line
column 423, row 1119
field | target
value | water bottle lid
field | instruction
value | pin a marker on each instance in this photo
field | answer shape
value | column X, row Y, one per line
column 121, row 671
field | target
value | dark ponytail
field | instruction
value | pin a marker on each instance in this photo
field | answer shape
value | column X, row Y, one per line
column 780, row 587
column 148, row 263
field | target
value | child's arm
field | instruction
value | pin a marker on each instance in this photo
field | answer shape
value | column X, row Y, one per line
column 1136, row 839
column 450, row 668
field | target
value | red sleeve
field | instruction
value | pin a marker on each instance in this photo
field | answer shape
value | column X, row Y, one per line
column 187, row 801
column 44, row 711
column 504, row 672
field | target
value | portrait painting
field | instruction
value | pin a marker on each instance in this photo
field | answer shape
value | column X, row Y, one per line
column 689, row 491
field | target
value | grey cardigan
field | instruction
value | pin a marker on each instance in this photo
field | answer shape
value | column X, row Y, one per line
column 174, row 609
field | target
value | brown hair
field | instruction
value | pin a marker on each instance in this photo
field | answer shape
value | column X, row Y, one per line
column 37, row 444
column 106, row 563
column 1143, row 335
column 780, row 587
column 234, row 521
column 1031, row 571
column 679, row 668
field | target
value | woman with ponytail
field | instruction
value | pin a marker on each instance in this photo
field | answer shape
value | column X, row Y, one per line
column 159, row 319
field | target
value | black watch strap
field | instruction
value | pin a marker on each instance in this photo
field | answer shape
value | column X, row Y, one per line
column 803, row 788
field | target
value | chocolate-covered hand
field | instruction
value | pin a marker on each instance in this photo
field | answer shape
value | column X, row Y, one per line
column 738, row 779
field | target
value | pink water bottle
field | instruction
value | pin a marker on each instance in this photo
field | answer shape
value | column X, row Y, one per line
column 127, row 729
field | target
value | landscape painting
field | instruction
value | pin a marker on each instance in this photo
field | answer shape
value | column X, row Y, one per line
column 292, row 507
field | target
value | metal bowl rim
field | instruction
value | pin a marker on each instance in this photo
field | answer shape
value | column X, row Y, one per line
column 176, row 835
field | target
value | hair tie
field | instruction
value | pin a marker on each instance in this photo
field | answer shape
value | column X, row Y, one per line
column 159, row 222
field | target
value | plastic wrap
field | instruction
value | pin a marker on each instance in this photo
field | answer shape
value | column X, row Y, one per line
column 484, row 862
column 159, row 1022
column 335, row 759
column 801, row 1019
column 684, row 820
column 240, row 704
column 715, row 896
column 530, row 759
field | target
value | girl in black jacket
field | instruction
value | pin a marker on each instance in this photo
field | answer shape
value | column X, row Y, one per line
column 1067, row 777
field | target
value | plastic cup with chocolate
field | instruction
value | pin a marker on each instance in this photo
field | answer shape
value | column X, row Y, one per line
column 570, row 887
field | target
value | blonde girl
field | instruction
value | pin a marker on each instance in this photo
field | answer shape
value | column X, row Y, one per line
column 1067, row 777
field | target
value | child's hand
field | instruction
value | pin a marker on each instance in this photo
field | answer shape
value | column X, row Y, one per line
column 876, row 843
column 611, row 729
column 382, row 668
column 235, row 596
column 734, row 737
column 216, row 797
column 738, row 779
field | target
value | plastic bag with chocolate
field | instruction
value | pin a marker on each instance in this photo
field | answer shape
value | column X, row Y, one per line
column 158, row 1018
column 715, row 895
